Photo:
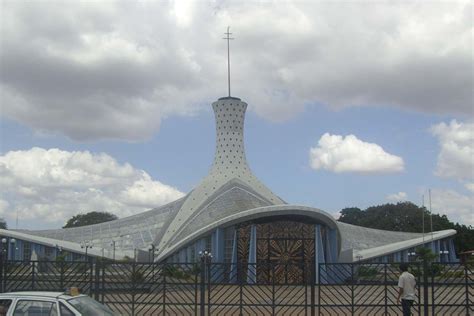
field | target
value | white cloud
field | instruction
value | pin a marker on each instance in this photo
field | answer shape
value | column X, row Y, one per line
column 457, row 207
column 470, row 186
column 349, row 154
column 116, row 69
column 53, row 185
column 397, row 197
column 456, row 157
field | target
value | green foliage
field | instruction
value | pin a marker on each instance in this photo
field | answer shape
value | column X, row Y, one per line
column 175, row 272
column 407, row 217
column 3, row 223
column 137, row 277
column 364, row 272
column 89, row 219
column 61, row 257
column 425, row 254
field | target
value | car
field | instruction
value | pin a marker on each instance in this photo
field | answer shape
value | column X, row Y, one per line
column 70, row 303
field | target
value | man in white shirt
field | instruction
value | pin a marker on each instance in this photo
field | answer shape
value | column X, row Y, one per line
column 406, row 289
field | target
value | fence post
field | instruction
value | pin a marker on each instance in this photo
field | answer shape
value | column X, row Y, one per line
column 209, row 271
column 319, row 288
column 352, row 288
column 163, row 272
column 203, row 287
column 466, row 278
column 134, row 282
column 61, row 275
column 2, row 275
column 425, row 288
column 385, row 286
column 240, row 278
column 96, row 279
column 273, row 287
column 33, row 268
column 313, row 284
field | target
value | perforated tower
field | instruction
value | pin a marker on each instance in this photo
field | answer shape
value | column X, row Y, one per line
column 229, row 170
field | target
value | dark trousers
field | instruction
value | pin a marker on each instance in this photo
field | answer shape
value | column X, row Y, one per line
column 406, row 307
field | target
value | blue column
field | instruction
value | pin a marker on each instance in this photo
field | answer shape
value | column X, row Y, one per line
column 252, row 267
column 405, row 255
column 398, row 256
column 218, row 245
column 319, row 252
column 437, row 249
column 19, row 246
column 217, row 242
column 200, row 246
column 189, row 258
column 182, row 256
column 233, row 265
column 331, row 242
column 452, row 251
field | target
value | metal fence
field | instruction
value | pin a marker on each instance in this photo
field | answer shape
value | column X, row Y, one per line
column 247, row 289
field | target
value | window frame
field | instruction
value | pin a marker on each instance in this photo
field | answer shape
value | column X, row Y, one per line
column 35, row 299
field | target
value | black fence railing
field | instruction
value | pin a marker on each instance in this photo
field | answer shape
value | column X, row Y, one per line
column 207, row 288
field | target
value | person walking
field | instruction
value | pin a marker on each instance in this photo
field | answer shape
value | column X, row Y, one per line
column 406, row 289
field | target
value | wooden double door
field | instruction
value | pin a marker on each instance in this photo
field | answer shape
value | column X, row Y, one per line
column 285, row 251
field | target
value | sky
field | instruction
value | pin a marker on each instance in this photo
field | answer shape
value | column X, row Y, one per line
column 106, row 106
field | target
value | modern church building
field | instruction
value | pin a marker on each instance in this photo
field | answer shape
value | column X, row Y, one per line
column 232, row 214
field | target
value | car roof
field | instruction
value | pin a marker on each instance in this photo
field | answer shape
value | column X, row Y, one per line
column 39, row 294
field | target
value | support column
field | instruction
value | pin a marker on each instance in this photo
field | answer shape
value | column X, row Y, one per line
column 319, row 252
column 234, row 263
column 252, row 266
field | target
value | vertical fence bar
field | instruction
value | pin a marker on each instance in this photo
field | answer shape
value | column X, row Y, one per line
column 134, row 279
column 319, row 288
column 432, row 276
column 313, row 283
column 352, row 289
column 385, row 288
column 466, row 278
column 418, row 281
column 33, row 267
column 96, row 279
column 2, row 279
column 91, row 281
column 240, row 280
column 102, row 286
column 196, row 275
column 209, row 270
column 203, row 287
column 273, row 288
column 61, row 275
column 163, row 267
column 425, row 289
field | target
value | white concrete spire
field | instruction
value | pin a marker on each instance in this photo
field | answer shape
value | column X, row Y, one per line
column 230, row 164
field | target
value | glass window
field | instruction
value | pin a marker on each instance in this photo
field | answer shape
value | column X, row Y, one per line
column 4, row 305
column 36, row 308
column 64, row 310
column 89, row 307
column 26, row 251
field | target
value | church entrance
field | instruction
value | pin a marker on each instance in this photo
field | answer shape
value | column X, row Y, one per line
column 284, row 248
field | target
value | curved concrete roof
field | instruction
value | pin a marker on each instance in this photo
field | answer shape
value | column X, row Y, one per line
column 252, row 214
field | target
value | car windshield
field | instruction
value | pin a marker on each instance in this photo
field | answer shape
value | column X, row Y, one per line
column 88, row 307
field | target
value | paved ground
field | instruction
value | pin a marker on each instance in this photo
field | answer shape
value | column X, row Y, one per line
column 289, row 300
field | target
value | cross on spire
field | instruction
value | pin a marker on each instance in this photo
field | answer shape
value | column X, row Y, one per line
column 228, row 38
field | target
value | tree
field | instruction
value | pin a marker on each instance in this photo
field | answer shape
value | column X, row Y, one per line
column 407, row 217
column 89, row 219
column 3, row 223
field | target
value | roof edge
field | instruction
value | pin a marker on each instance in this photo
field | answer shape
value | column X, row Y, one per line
column 401, row 245
column 260, row 212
